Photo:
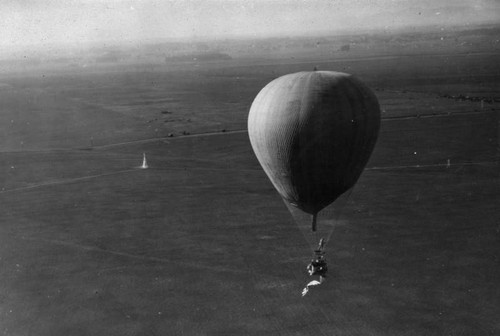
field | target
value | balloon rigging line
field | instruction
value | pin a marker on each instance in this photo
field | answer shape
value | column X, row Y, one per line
column 339, row 213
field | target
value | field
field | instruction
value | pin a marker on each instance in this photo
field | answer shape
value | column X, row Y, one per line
column 201, row 244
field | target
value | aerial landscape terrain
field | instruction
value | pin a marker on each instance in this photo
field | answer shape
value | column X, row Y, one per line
column 200, row 243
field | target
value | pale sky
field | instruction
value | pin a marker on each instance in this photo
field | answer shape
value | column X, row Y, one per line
column 46, row 22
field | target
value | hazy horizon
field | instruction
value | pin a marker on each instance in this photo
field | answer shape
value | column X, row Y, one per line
column 46, row 23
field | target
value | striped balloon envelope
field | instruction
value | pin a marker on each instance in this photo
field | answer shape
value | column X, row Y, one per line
column 313, row 133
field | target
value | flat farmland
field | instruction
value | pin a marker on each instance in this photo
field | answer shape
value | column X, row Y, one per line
column 76, row 109
column 201, row 244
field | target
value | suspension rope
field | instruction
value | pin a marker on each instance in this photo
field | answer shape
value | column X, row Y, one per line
column 337, row 215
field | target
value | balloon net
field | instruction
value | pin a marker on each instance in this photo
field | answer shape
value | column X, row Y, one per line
column 326, row 222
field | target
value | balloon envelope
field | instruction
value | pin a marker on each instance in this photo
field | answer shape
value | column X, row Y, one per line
column 313, row 133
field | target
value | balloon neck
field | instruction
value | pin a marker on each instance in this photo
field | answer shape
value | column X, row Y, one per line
column 314, row 222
